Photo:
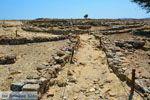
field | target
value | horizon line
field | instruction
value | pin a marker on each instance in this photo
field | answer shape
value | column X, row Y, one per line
column 75, row 18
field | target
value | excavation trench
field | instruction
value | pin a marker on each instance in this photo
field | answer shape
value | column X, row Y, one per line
column 89, row 78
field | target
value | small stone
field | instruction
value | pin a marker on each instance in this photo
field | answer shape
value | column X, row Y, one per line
column 52, row 82
column 83, row 90
column 108, row 81
column 116, row 62
column 116, row 58
column 92, row 90
column 65, row 49
column 65, row 58
column 82, row 63
column 69, row 42
column 111, row 64
column 10, row 59
column 10, row 77
column 61, row 83
column 87, row 94
column 69, row 72
column 96, row 92
column 110, row 48
column 75, row 98
column 109, row 59
column 57, row 67
column 100, row 96
column 34, row 76
column 124, row 69
column 110, row 54
column 56, row 57
column 117, row 48
column 138, row 44
column 119, row 53
column 65, row 98
column 14, row 71
column 60, row 53
column 101, row 86
column 50, row 94
column 129, row 46
column 58, row 60
column 146, row 94
column 72, row 79
column 42, row 80
column 40, row 68
column 120, row 43
column 53, row 73
column 46, row 64
column 95, row 81
column 46, row 75
column 123, row 58
column 111, row 94
column 17, row 86
column 31, row 87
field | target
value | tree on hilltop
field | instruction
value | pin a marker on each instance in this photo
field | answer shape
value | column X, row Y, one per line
column 86, row 16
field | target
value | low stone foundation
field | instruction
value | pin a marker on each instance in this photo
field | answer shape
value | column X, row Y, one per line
column 117, row 62
column 20, row 40
column 41, row 82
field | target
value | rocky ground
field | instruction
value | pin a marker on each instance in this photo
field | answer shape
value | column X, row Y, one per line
column 138, row 57
column 28, row 56
column 105, row 45
column 89, row 78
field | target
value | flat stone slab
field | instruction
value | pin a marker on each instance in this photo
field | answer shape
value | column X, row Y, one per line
column 16, row 86
column 31, row 87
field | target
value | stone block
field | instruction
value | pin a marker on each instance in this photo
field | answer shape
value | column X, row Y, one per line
column 31, row 87
column 17, row 86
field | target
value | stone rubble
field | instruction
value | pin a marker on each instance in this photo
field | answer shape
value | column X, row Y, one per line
column 23, row 40
column 45, row 78
column 47, row 73
column 116, row 59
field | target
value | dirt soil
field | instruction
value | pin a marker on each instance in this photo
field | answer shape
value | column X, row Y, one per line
column 139, row 58
column 9, row 29
column 93, row 80
column 89, row 78
column 29, row 56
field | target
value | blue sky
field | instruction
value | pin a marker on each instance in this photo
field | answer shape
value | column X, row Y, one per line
column 31, row 9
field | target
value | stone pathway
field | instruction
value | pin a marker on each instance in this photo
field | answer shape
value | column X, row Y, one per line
column 88, row 79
